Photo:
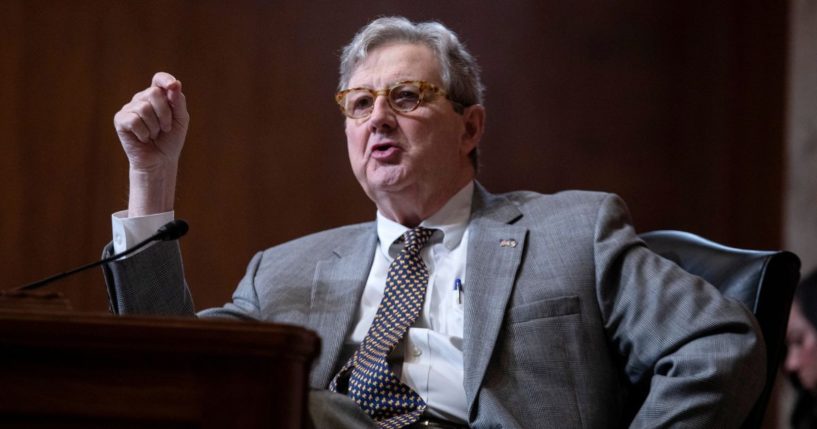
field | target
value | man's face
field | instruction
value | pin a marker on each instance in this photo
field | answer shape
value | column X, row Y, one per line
column 801, row 358
column 423, row 151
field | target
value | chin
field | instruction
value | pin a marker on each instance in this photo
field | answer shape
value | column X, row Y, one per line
column 386, row 179
column 809, row 384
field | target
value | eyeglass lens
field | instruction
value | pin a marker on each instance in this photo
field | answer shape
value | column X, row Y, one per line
column 403, row 98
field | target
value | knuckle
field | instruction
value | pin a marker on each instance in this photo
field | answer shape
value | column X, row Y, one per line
column 139, row 95
column 147, row 93
column 143, row 109
column 123, row 120
column 154, row 92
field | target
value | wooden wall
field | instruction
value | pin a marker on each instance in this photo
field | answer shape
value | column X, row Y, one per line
column 677, row 106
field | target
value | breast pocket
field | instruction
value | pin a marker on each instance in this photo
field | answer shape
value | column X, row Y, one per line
column 552, row 307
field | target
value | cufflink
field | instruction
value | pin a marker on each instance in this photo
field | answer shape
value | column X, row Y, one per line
column 510, row 242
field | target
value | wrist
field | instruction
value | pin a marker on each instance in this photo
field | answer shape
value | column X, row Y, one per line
column 151, row 190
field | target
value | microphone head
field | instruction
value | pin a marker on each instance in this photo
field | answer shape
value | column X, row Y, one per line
column 172, row 230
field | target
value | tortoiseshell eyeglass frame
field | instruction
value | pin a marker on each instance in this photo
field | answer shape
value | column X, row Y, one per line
column 425, row 90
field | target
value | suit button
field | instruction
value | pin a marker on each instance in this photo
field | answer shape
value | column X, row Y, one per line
column 416, row 352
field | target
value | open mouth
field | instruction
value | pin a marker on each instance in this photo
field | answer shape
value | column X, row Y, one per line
column 385, row 151
column 382, row 147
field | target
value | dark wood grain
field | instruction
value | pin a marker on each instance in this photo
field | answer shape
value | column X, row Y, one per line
column 677, row 106
column 62, row 370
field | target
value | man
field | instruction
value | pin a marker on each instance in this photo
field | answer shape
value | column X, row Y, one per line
column 481, row 310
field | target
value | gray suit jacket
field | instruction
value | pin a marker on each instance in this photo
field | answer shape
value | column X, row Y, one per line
column 577, row 326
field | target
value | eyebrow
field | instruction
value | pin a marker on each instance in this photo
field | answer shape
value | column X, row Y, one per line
column 390, row 84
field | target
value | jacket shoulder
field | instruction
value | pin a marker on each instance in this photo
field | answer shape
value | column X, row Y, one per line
column 570, row 196
column 319, row 243
column 564, row 202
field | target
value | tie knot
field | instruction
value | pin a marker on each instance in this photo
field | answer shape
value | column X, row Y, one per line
column 416, row 238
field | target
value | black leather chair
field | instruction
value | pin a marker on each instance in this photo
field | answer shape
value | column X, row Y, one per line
column 762, row 280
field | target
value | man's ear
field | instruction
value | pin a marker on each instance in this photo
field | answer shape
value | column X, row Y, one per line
column 474, row 121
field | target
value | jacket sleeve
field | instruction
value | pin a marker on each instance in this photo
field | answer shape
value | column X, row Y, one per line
column 150, row 282
column 699, row 355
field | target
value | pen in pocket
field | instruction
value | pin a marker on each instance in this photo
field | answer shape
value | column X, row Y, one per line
column 458, row 290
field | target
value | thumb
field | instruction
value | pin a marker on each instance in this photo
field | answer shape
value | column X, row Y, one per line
column 177, row 100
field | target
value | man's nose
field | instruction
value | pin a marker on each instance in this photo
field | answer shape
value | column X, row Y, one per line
column 383, row 117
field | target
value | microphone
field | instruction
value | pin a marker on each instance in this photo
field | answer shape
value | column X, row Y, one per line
column 172, row 230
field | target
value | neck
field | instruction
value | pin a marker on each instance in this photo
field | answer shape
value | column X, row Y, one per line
column 409, row 207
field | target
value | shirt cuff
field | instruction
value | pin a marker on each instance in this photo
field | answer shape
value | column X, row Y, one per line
column 129, row 231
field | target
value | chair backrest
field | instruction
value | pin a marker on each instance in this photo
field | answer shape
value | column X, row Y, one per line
column 764, row 281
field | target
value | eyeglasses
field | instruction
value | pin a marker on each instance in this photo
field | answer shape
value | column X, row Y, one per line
column 404, row 96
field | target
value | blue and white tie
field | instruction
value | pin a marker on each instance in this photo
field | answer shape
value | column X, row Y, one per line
column 371, row 382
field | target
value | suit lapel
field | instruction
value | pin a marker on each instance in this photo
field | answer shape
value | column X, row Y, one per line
column 336, row 291
column 491, row 273
column 495, row 249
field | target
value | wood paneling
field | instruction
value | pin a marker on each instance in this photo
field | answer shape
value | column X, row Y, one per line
column 68, row 371
column 676, row 106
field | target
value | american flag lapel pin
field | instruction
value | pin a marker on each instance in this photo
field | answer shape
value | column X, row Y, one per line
column 507, row 242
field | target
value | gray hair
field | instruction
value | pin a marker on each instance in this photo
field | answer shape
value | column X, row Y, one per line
column 460, row 72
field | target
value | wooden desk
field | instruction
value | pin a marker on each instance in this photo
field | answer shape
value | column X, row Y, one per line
column 69, row 370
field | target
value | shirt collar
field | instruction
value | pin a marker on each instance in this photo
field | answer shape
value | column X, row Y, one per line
column 451, row 221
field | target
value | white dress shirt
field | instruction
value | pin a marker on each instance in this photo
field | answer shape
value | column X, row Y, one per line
column 127, row 232
column 432, row 351
column 430, row 359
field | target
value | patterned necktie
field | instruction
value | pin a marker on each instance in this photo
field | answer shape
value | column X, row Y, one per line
column 371, row 381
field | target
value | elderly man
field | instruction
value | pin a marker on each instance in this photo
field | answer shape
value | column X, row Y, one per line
column 456, row 307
